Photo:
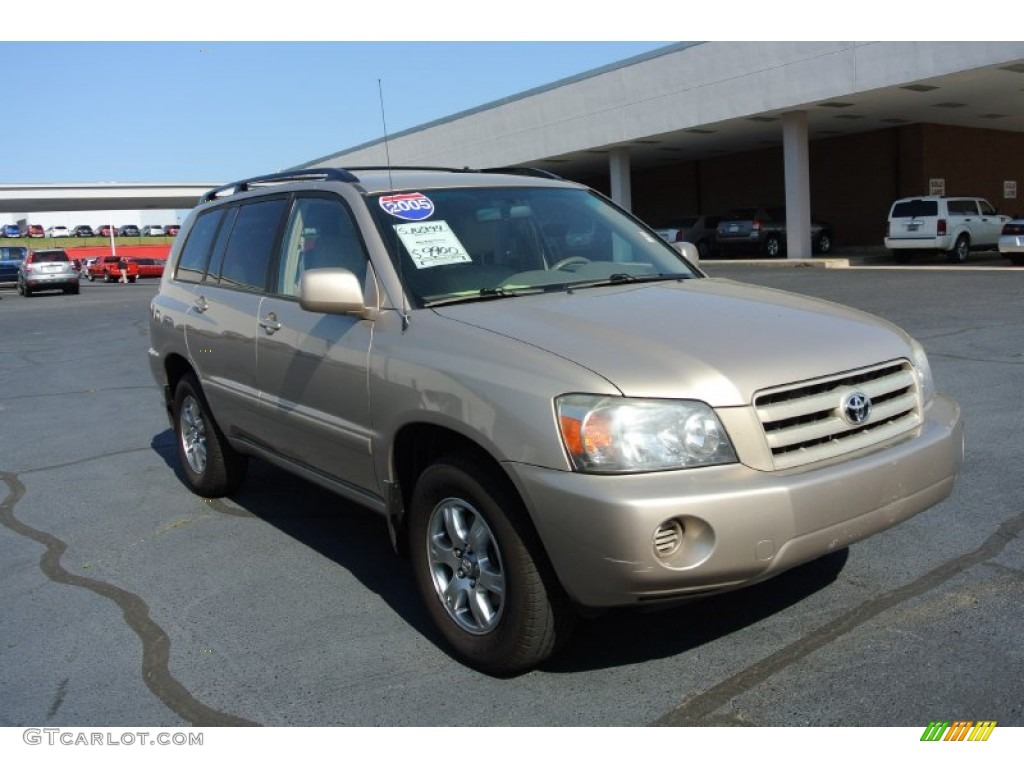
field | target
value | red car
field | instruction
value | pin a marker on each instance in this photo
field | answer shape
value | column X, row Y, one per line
column 103, row 230
column 172, row 229
column 34, row 230
column 109, row 269
column 148, row 267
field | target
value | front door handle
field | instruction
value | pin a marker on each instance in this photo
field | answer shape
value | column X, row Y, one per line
column 270, row 323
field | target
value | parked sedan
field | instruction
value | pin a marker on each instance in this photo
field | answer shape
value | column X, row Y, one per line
column 104, row 230
column 33, row 230
column 1011, row 242
column 152, row 230
column 10, row 259
column 128, row 230
column 58, row 231
column 702, row 231
column 763, row 229
column 47, row 270
column 172, row 229
column 149, row 267
column 11, row 230
column 82, row 230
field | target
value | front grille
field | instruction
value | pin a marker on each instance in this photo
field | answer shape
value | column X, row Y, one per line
column 804, row 423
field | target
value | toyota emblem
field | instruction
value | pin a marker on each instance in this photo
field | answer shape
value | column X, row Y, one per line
column 856, row 408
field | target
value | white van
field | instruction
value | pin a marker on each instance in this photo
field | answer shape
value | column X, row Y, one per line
column 953, row 225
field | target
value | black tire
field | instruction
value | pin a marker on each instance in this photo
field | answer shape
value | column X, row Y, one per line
column 1016, row 259
column 75, row 290
column 773, row 246
column 522, row 615
column 824, row 244
column 703, row 250
column 211, row 466
column 131, row 279
column 26, row 291
column 961, row 249
column 107, row 277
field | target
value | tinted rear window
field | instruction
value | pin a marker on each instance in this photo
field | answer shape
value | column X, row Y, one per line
column 192, row 264
column 50, row 257
column 915, row 208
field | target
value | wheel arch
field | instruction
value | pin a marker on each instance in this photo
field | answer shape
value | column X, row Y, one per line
column 414, row 448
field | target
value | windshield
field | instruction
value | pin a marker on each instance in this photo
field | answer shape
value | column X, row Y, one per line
column 486, row 242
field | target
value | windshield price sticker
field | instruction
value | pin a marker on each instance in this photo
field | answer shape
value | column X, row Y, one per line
column 411, row 206
column 432, row 244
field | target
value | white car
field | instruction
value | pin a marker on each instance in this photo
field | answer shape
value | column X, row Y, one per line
column 952, row 225
column 153, row 230
column 58, row 232
column 1011, row 242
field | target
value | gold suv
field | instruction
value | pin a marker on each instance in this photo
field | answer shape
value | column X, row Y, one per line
column 550, row 405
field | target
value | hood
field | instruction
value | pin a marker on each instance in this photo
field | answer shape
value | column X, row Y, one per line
column 708, row 339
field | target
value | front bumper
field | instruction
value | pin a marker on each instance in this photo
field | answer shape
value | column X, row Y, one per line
column 739, row 525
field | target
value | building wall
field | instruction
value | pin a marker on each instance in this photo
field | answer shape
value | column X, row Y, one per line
column 854, row 179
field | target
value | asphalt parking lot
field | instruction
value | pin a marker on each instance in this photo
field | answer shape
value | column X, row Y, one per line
column 129, row 601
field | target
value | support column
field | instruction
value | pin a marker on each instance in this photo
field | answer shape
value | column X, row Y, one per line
column 798, row 185
column 618, row 170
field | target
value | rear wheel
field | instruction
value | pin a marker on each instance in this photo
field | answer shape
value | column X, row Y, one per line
column 481, row 570
column 1016, row 259
column 961, row 249
column 824, row 243
column 772, row 246
column 212, row 467
column 26, row 291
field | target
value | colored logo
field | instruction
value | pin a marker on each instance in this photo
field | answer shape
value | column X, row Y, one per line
column 960, row 730
column 411, row 206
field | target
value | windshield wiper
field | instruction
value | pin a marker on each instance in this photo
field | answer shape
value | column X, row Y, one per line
column 619, row 278
column 482, row 295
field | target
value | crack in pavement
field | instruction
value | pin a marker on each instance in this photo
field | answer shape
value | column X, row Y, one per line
column 156, row 645
column 699, row 709
column 79, row 392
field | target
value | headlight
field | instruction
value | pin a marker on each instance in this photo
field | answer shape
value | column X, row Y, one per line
column 615, row 434
column 924, row 373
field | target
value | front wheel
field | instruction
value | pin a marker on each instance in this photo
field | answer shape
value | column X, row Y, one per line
column 212, row 467
column 481, row 571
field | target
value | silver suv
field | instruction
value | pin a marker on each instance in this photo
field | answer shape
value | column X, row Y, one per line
column 551, row 406
column 951, row 225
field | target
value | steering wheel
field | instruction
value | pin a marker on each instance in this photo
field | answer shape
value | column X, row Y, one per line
column 570, row 261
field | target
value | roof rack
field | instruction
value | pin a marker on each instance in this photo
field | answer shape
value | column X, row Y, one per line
column 523, row 171
column 306, row 174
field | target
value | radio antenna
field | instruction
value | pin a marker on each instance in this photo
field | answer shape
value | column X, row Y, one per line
column 384, row 122
column 391, row 187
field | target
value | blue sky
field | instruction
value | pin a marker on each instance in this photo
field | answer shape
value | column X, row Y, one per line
column 209, row 111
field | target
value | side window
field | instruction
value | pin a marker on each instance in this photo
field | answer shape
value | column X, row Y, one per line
column 196, row 252
column 963, row 208
column 986, row 208
column 251, row 243
column 320, row 233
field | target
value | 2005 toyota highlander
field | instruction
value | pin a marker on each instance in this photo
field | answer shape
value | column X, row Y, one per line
column 551, row 406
